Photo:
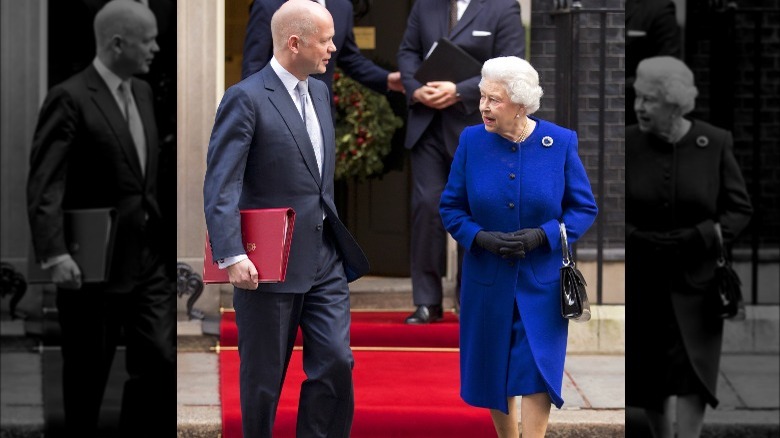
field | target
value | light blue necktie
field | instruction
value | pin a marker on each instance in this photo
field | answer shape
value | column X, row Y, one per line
column 310, row 121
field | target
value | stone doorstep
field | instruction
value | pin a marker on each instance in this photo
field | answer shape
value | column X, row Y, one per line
column 205, row 422
column 603, row 334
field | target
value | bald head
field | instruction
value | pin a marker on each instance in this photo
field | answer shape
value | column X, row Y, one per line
column 303, row 37
column 301, row 18
column 125, row 32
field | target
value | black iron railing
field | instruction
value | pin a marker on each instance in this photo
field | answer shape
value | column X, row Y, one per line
column 567, row 17
column 731, row 67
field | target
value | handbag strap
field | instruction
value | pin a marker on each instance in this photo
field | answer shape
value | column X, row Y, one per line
column 721, row 247
column 568, row 260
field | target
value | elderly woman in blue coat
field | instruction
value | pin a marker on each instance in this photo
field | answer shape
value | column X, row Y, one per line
column 514, row 178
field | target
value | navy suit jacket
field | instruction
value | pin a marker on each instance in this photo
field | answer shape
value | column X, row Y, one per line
column 83, row 156
column 487, row 29
column 260, row 156
column 258, row 45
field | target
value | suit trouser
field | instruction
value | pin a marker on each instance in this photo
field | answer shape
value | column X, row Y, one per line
column 431, row 162
column 93, row 323
column 267, row 326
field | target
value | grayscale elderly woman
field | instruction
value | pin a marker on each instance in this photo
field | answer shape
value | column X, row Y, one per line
column 681, row 180
column 514, row 178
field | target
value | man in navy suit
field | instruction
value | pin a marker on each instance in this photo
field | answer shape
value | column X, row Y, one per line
column 96, row 146
column 258, row 50
column 270, row 148
column 438, row 112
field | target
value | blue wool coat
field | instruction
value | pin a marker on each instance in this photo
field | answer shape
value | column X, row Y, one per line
column 494, row 185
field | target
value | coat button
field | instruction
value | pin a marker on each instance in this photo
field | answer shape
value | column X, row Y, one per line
column 511, row 263
column 511, row 205
column 318, row 227
column 666, row 175
column 666, row 205
column 514, row 148
column 511, row 176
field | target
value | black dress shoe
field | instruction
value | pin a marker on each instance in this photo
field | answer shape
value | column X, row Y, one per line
column 425, row 315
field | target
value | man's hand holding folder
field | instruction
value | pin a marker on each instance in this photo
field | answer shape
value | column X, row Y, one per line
column 266, row 235
column 243, row 275
column 445, row 65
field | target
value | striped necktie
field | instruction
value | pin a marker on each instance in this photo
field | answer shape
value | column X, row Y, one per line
column 453, row 14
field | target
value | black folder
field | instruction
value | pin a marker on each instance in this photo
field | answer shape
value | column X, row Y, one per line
column 89, row 236
column 448, row 62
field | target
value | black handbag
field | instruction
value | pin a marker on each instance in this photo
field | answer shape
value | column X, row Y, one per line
column 726, row 299
column 574, row 299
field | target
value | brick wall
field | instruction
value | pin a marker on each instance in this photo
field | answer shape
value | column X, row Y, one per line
column 735, row 77
column 543, row 56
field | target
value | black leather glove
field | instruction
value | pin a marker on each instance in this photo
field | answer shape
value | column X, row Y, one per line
column 649, row 238
column 689, row 238
column 532, row 238
column 501, row 244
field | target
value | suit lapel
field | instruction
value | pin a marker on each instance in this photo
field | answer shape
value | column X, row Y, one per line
column 441, row 22
column 471, row 12
column 107, row 104
column 280, row 99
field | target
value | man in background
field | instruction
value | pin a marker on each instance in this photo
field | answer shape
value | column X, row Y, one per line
column 438, row 112
column 96, row 146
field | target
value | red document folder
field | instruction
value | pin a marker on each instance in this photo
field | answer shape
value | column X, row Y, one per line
column 267, row 234
column 89, row 236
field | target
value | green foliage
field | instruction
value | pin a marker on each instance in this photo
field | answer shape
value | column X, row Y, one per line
column 365, row 126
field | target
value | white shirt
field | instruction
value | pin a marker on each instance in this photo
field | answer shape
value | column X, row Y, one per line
column 462, row 5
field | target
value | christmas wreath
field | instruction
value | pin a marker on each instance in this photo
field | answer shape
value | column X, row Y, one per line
column 365, row 124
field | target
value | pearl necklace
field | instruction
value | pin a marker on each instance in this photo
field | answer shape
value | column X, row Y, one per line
column 521, row 138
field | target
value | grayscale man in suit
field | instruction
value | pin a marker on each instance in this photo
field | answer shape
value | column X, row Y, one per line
column 438, row 112
column 273, row 145
column 96, row 146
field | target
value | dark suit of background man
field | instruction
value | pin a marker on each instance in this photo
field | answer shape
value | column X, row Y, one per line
column 438, row 112
column 94, row 147
column 260, row 155
column 258, row 47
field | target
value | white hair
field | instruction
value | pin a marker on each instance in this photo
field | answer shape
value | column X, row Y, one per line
column 519, row 78
column 673, row 77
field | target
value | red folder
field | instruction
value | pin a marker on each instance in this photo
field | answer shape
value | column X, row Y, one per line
column 267, row 234
column 89, row 236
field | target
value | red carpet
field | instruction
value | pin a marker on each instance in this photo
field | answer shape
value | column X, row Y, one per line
column 375, row 329
column 398, row 393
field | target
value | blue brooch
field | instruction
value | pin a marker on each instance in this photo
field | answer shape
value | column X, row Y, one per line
column 547, row 141
column 702, row 141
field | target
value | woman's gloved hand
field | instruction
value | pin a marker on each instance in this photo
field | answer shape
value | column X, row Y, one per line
column 501, row 244
column 532, row 238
